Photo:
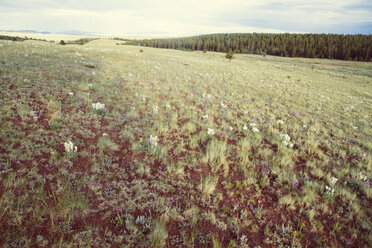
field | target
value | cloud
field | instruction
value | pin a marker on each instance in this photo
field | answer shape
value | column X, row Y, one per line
column 188, row 17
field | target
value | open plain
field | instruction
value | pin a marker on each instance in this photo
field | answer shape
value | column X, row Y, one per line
column 104, row 145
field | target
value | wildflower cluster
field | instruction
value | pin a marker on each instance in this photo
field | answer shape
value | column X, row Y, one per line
column 70, row 147
column 280, row 122
column 286, row 140
column 98, row 106
column 211, row 131
column 333, row 181
column 329, row 191
column 254, row 128
column 361, row 176
column 153, row 140
column 205, row 117
column 155, row 109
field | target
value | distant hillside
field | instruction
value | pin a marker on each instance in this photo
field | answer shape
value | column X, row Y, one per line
column 27, row 31
column 71, row 32
column 331, row 46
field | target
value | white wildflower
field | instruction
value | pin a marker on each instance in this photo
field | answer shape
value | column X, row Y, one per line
column 280, row 122
column 223, row 105
column 104, row 134
column 144, row 99
column 98, row 106
column 211, row 131
column 205, row 117
column 231, row 128
column 153, row 140
column 252, row 124
column 285, row 137
column 333, row 181
column 245, row 112
column 90, row 85
column 70, row 147
column 286, row 140
column 361, row 176
column 245, row 127
column 329, row 191
column 155, row 109
column 255, row 130
column 71, row 93
column 168, row 105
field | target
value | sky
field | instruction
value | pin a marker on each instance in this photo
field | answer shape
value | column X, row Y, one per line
column 188, row 17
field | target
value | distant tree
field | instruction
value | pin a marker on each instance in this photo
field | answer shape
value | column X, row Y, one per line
column 293, row 52
column 230, row 55
column 141, row 51
column 347, row 55
column 62, row 42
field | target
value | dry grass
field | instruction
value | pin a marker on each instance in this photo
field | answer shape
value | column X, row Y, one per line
column 242, row 185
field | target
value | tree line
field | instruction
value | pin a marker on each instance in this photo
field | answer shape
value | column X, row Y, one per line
column 17, row 38
column 330, row 46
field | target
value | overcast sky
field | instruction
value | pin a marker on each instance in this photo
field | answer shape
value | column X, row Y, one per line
column 188, row 17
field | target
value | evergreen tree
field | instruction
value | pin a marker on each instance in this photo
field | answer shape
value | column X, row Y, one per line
column 293, row 52
column 230, row 55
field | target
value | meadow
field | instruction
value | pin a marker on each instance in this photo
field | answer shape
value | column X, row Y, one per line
column 108, row 146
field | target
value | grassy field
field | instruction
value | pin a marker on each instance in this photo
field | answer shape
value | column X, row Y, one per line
column 106, row 146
